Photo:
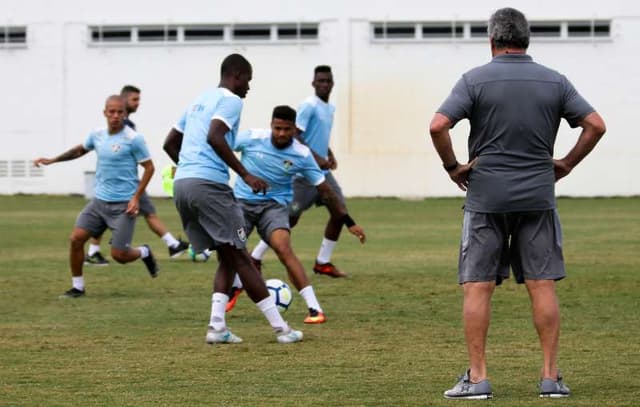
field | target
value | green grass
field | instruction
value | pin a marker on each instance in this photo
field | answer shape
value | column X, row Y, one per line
column 394, row 333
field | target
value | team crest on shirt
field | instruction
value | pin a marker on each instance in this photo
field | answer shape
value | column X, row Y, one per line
column 242, row 235
column 287, row 164
column 115, row 147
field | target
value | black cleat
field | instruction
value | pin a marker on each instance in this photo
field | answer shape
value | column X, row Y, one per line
column 73, row 293
column 96, row 259
column 179, row 249
column 150, row 262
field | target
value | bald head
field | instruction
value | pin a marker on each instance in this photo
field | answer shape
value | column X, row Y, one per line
column 115, row 113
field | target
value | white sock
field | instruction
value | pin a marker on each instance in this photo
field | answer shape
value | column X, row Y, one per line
column 78, row 283
column 237, row 283
column 218, row 303
column 326, row 250
column 268, row 308
column 170, row 240
column 310, row 298
column 260, row 250
column 144, row 251
column 93, row 249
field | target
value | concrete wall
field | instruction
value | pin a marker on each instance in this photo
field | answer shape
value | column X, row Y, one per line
column 385, row 93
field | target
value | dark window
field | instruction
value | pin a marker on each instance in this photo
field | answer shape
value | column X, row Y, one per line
column 394, row 30
column 478, row 30
column 251, row 33
column 304, row 31
column 441, row 31
column 13, row 35
column 588, row 29
column 109, row 34
column 545, row 30
column 157, row 34
column 203, row 33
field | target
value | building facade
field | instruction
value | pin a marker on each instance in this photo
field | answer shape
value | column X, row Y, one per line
column 393, row 62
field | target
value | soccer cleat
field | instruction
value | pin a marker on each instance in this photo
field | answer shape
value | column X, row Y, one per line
column 224, row 336
column 257, row 263
column 328, row 269
column 96, row 259
column 179, row 249
column 233, row 297
column 289, row 336
column 73, row 293
column 150, row 262
column 554, row 388
column 315, row 317
column 466, row 390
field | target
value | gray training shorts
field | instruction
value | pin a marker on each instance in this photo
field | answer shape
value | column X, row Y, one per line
column 529, row 242
column 306, row 194
column 265, row 216
column 211, row 215
column 99, row 215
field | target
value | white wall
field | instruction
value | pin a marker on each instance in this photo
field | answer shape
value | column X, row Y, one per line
column 385, row 94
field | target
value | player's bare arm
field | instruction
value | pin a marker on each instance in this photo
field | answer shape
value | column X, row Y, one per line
column 133, row 207
column 71, row 154
column 338, row 210
column 216, row 139
column 459, row 173
column 172, row 144
column 593, row 128
column 322, row 163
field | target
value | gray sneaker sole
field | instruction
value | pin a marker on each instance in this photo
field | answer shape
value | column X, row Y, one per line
column 471, row 397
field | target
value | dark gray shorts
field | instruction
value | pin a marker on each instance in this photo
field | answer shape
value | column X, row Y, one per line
column 529, row 242
column 265, row 216
column 146, row 206
column 306, row 194
column 210, row 214
column 99, row 215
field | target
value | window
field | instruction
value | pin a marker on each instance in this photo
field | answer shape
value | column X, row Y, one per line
column 297, row 31
column 589, row 28
column 157, row 34
column 440, row 30
column 110, row 34
column 542, row 29
column 13, row 35
column 251, row 32
column 203, row 33
column 479, row 30
column 394, row 30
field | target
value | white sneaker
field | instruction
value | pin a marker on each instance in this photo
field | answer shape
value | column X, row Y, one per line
column 289, row 336
column 224, row 336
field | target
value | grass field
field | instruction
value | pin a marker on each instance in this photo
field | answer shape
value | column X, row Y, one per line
column 394, row 333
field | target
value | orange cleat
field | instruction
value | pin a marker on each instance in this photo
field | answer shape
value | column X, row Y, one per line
column 315, row 317
column 233, row 297
column 328, row 269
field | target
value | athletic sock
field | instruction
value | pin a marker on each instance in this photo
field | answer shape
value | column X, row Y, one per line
column 93, row 249
column 218, row 303
column 170, row 240
column 237, row 283
column 144, row 251
column 78, row 283
column 260, row 250
column 310, row 298
column 268, row 308
column 326, row 250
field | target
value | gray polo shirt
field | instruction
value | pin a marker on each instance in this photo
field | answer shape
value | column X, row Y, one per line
column 514, row 106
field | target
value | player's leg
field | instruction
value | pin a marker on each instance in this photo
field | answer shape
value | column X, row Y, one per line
column 175, row 246
column 122, row 226
column 331, row 235
column 476, row 314
column 537, row 247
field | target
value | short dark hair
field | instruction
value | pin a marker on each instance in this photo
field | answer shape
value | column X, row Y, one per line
column 284, row 112
column 234, row 64
column 322, row 68
column 126, row 89
column 508, row 27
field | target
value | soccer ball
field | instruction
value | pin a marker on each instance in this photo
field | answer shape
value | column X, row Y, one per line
column 280, row 292
column 198, row 257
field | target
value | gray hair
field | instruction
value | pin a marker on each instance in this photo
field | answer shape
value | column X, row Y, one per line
column 508, row 27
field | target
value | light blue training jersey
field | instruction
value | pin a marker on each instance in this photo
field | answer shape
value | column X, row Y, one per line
column 117, row 166
column 197, row 158
column 262, row 159
column 315, row 120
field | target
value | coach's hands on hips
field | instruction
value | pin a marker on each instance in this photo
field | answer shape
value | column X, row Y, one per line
column 257, row 184
column 460, row 174
column 358, row 232
column 561, row 169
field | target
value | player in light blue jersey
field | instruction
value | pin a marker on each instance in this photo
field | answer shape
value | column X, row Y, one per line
column 314, row 123
column 117, row 192
column 276, row 156
column 200, row 145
